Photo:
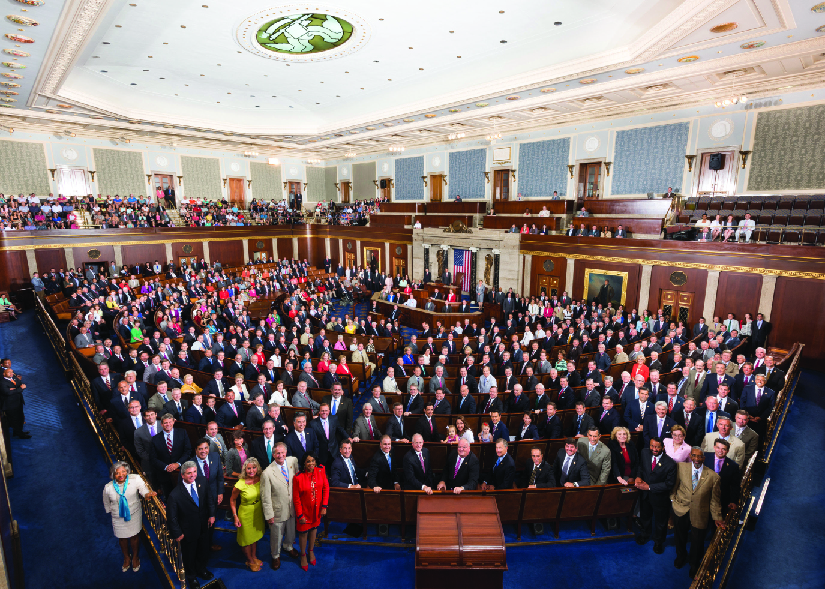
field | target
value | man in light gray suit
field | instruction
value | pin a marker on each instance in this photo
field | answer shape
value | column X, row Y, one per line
column 276, row 500
column 301, row 398
column 747, row 436
column 480, row 290
column 543, row 366
column 429, row 306
column 143, row 440
column 160, row 398
column 366, row 428
column 216, row 442
column 597, row 455
column 150, row 371
column 378, row 401
column 416, row 380
column 83, row 339
column 436, row 382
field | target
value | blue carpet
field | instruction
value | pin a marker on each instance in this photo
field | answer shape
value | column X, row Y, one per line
column 785, row 549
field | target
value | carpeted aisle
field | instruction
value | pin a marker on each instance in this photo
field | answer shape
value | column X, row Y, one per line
column 59, row 475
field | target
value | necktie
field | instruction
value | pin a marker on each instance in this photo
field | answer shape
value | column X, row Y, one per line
column 718, row 465
column 285, row 473
column 670, row 405
column 696, row 382
column 137, row 422
column 720, row 380
column 303, row 441
column 134, row 388
column 421, row 459
column 269, row 450
column 695, row 478
column 533, row 476
column 389, row 461
column 334, row 406
column 325, row 423
column 179, row 409
column 710, row 422
column 106, row 380
column 194, row 494
column 566, row 464
column 687, row 419
column 152, row 431
column 457, row 466
column 579, row 423
column 351, row 472
column 169, row 442
column 125, row 400
column 660, row 427
column 653, row 466
column 206, row 467
column 758, row 395
column 590, row 449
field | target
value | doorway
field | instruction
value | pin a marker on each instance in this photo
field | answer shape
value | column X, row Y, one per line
column 187, row 260
column 501, row 185
column 163, row 182
column 385, row 189
column 398, row 267
column 548, row 284
column 436, row 187
column 589, row 178
column 676, row 305
column 72, row 181
column 717, row 182
column 345, row 190
column 294, row 192
column 95, row 266
column 349, row 260
column 236, row 192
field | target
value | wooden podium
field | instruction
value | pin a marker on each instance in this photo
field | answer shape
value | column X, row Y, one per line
column 459, row 543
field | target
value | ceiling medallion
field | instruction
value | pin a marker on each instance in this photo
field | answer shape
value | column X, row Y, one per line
column 6, row 99
column 22, row 20
column 592, row 143
column 235, row 166
column 69, row 154
column 18, row 38
column 513, row 97
column 12, row 75
column 455, row 110
column 33, row 2
column 482, row 104
column 409, row 120
column 724, row 28
column 752, row 45
column 430, row 116
column 820, row 29
column 9, row 92
column 634, row 70
column 587, row 81
column 720, row 129
column 688, row 59
column 162, row 161
column 547, row 90
column 818, row 8
column 13, row 65
column 17, row 52
column 291, row 33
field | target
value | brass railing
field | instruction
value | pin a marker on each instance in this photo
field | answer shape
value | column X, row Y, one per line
column 720, row 550
column 166, row 550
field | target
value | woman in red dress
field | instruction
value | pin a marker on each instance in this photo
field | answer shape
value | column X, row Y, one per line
column 640, row 368
column 310, row 495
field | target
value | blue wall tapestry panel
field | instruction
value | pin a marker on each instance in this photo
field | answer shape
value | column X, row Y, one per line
column 466, row 175
column 542, row 168
column 408, row 183
column 649, row 159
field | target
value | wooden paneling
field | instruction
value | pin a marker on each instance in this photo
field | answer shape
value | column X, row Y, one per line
column 444, row 220
column 697, row 281
column 333, row 250
column 630, row 224
column 398, row 207
column 197, row 250
column 304, row 248
column 50, row 258
column 518, row 207
column 537, row 269
column 628, row 206
column 507, row 221
column 738, row 293
column 81, row 255
column 798, row 316
column 389, row 220
column 285, row 248
column 228, row 253
column 140, row 254
column 14, row 271
column 265, row 246
column 633, row 273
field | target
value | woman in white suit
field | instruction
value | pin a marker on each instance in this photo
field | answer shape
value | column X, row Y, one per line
column 120, row 498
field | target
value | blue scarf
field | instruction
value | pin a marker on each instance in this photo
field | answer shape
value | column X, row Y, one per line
column 123, row 505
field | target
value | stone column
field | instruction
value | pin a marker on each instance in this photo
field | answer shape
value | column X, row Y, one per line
column 245, row 251
column 341, row 252
column 526, row 279
column 644, row 287
column 294, row 248
column 410, row 260
column 119, row 254
column 496, row 261
column 69, row 253
column 766, row 296
column 447, row 266
column 358, row 253
column 32, row 261
column 390, row 270
column 206, row 252
column 568, row 277
column 274, row 248
column 327, row 248
column 169, row 254
column 426, row 247
column 710, row 295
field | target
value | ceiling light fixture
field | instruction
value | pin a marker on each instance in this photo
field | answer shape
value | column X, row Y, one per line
column 350, row 154
column 396, row 148
column 250, row 154
column 453, row 136
column 493, row 138
column 313, row 161
column 734, row 98
column 273, row 161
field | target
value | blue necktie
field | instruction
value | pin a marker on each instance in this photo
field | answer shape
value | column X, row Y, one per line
column 352, row 472
column 334, row 406
column 194, row 495
column 389, row 461
column 710, row 422
column 497, row 463
column 285, row 473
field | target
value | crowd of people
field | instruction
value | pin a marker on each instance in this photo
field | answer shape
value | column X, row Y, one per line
column 31, row 213
column 698, row 431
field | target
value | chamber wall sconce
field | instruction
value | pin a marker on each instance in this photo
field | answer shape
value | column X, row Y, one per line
column 607, row 167
column 570, row 168
column 745, row 155
column 149, row 179
column 52, row 170
column 424, row 179
column 487, row 177
column 92, row 174
column 690, row 159
column 180, row 179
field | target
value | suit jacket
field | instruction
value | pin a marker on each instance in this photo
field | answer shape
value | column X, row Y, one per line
column 736, row 451
column 117, row 408
column 103, row 394
column 380, row 474
column 294, row 447
column 544, row 476
column 467, row 475
column 414, row 476
column 552, row 429
column 599, row 464
column 583, row 426
column 763, row 408
column 362, row 431
column 711, row 386
column 341, row 477
column 227, row 418
column 171, row 407
column 436, row 383
column 532, row 433
column 693, row 389
column 380, row 405
column 703, row 500
column 215, row 481
column 695, row 427
column 466, row 405
column 519, row 405
column 192, row 415
column 661, row 479
column 211, row 388
column 491, row 405
column 160, row 455
column 255, row 419
column 343, row 411
column 276, row 492
column 328, row 446
column 751, row 440
column 503, row 475
column 608, row 421
column 428, row 430
column 651, row 427
column 395, row 431
column 414, row 405
column 730, row 478
column 577, row 472
column 184, row 516
column 633, row 413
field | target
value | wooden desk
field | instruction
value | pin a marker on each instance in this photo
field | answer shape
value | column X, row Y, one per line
column 459, row 543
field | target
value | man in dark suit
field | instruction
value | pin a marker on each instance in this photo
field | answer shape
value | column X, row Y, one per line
column 700, row 328
column 570, row 467
column 497, row 427
column 760, row 331
column 634, row 416
column 418, row 475
column 503, row 473
column 461, row 470
column 580, row 423
column 119, row 403
column 395, row 425
column 210, row 472
column 609, row 417
column 104, row 385
column 657, row 425
column 657, row 476
column 466, row 404
column 708, row 416
column 728, row 471
column 301, row 440
column 169, row 450
column 537, row 474
column 381, row 474
column 263, row 447
column 713, row 381
column 190, row 514
column 217, row 386
column 329, row 434
column 256, row 415
column 343, row 473
column 688, row 418
column 176, row 406
column 230, row 414
column 758, row 402
column 552, row 428
column 775, row 376
column 127, row 427
column 426, row 426
column 340, row 407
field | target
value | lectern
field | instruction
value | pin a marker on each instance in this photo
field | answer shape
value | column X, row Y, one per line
column 459, row 543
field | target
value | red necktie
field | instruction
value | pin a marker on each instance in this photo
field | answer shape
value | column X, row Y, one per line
column 169, row 443
column 369, row 425
column 652, row 466
column 670, row 405
column 431, row 425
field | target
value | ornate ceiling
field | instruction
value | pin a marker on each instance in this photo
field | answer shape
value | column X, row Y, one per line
column 322, row 80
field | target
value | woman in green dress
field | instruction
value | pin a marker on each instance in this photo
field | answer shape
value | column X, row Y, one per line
column 248, row 511
column 137, row 334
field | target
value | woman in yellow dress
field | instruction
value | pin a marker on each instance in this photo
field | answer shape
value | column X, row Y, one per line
column 189, row 385
column 248, row 511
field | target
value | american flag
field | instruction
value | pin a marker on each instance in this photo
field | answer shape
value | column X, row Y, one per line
column 462, row 262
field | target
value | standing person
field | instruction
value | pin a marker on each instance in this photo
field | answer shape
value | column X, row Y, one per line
column 249, row 516
column 657, row 475
column 276, row 498
column 120, row 498
column 11, row 396
column 210, row 471
column 310, row 496
column 696, row 496
column 190, row 514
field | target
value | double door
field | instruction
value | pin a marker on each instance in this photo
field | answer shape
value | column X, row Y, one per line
column 548, row 284
column 501, row 185
column 589, row 178
column 236, row 192
column 436, row 187
column 676, row 305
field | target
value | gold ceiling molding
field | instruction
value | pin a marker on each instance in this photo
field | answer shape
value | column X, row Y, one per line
column 695, row 265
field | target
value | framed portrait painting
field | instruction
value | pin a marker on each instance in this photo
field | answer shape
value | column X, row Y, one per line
column 604, row 286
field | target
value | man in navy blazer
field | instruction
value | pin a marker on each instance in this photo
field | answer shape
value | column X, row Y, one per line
column 552, row 428
column 609, row 417
column 227, row 417
column 712, row 382
column 340, row 475
column 301, row 440
column 633, row 410
column 212, row 387
column 167, row 464
column 210, row 473
column 461, row 470
column 418, row 475
column 758, row 401
column 728, row 471
column 570, row 467
column 659, row 424
column 497, row 427
column 673, row 400
column 503, row 473
column 327, row 444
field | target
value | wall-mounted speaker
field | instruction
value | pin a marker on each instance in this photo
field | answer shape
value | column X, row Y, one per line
column 716, row 161
column 383, row 183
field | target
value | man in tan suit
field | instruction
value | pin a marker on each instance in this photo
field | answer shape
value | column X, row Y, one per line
column 360, row 355
column 737, row 447
column 276, row 500
column 696, row 380
column 696, row 495
column 597, row 455
column 620, row 357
